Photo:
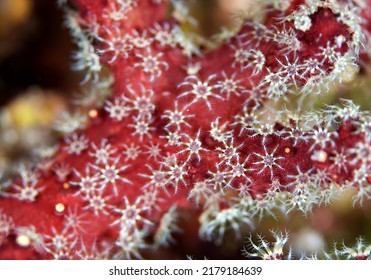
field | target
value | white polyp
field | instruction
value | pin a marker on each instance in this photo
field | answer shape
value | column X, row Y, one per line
column 303, row 22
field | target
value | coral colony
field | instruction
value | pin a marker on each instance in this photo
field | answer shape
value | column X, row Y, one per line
column 177, row 129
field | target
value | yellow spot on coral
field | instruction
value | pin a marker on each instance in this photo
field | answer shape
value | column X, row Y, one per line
column 66, row 185
column 23, row 240
column 59, row 207
column 320, row 156
column 93, row 113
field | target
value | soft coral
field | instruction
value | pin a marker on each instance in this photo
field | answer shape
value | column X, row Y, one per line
column 191, row 132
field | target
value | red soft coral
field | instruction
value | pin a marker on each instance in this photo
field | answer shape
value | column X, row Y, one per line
column 192, row 132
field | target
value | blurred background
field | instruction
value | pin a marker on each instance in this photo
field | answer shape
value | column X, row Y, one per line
column 35, row 77
column 37, row 84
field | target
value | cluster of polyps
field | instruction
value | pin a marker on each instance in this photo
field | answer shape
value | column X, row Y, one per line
column 182, row 132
